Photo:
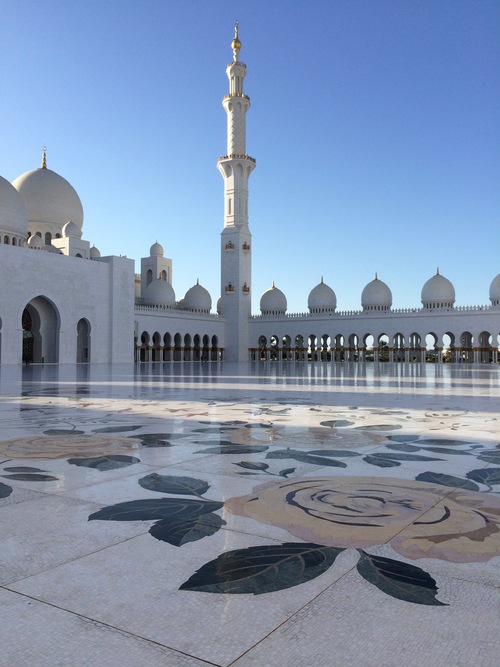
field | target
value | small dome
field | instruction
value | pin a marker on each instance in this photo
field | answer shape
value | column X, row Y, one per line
column 156, row 250
column 13, row 212
column 273, row 302
column 35, row 242
column 197, row 298
column 94, row 253
column 71, row 230
column 51, row 248
column 180, row 303
column 495, row 291
column 322, row 299
column 219, row 302
column 159, row 293
column 376, row 296
column 51, row 201
column 438, row 292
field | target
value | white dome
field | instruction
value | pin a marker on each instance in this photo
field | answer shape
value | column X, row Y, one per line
column 495, row 291
column 94, row 253
column 71, row 230
column 13, row 212
column 51, row 201
column 273, row 302
column 35, row 242
column 376, row 296
column 197, row 298
column 219, row 302
column 156, row 250
column 322, row 299
column 438, row 292
column 159, row 292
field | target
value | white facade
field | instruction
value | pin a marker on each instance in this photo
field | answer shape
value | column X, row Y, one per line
column 64, row 303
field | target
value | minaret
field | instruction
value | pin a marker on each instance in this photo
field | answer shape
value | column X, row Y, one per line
column 236, row 240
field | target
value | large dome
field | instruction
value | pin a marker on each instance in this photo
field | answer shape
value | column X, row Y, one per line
column 13, row 214
column 322, row 299
column 495, row 291
column 159, row 293
column 273, row 302
column 376, row 296
column 51, row 201
column 438, row 292
column 197, row 298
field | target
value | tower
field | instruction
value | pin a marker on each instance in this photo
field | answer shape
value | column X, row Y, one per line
column 236, row 251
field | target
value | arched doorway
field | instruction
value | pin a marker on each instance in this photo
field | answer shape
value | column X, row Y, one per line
column 40, row 324
column 83, row 342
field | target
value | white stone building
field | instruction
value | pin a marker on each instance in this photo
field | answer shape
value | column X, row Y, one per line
column 62, row 302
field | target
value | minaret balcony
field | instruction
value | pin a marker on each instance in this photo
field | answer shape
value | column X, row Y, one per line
column 229, row 95
column 246, row 246
column 245, row 289
column 229, row 288
column 230, row 246
column 236, row 156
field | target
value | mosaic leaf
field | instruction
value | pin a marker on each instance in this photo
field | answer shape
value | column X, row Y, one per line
column 181, row 531
column 403, row 457
column 403, row 447
column 117, row 429
column 234, row 449
column 304, row 457
column 184, row 486
column 155, row 508
column 381, row 463
column 286, row 472
column 157, row 439
column 5, row 490
column 398, row 579
column 337, row 423
column 63, row 431
column 30, row 477
column 249, row 465
column 22, row 469
column 379, row 427
column 333, row 452
column 490, row 455
column 403, row 438
column 444, row 450
column 487, row 476
column 104, row 463
column 262, row 569
column 443, row 442
column 446, row 480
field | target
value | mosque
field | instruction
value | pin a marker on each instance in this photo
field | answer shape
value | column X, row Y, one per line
column 63, row 302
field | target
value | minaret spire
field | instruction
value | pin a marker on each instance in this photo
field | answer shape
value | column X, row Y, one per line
column 236, row 167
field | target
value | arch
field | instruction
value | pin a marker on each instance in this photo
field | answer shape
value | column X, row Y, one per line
column 163, row 275
column 40, row 325
column 484, row 348
column 144, row 355
column 187, row 347
column 325, row 347
column 14, row 241
column 197, row 348
column 177, row 347
column 312, row 353
column 263, row 348
column 215, row 352
column 449, row 350
column 167, row 347
column 433, row 352
column 83, row 341
column 156, row 352
column 286, row 348
column 149, row 277
column 6, row 239
column 466, row 354
column 48, row 238
column 382, row 350
column 339, row 351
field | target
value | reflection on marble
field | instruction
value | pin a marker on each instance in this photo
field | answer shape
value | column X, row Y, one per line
column 219, row 484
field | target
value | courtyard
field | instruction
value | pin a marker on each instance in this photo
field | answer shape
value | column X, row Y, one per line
column 282, row 514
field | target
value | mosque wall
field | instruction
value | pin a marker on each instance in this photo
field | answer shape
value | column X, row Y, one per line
column 62, row 291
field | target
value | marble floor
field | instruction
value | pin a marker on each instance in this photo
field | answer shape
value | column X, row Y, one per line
column 250, row 515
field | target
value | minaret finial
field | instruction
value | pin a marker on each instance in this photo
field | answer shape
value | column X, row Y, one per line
column 236, row 44
column 44, row 157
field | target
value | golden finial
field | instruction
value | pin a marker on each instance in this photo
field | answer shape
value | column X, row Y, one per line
column 274, row 286
column 44, row 157
column 376, row 275
column 236, row 44
column 437, row 271
column 321, row 279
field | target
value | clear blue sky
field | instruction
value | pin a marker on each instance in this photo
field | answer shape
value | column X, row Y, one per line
column 375, row 125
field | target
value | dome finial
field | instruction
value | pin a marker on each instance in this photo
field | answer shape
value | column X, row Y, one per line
column 44, row 157
column 274, row 286
column 236, row 44
column 437, row 271
column 321, row 279
column 376, row 275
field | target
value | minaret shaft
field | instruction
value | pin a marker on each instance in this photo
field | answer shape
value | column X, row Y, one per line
column 236, row 167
